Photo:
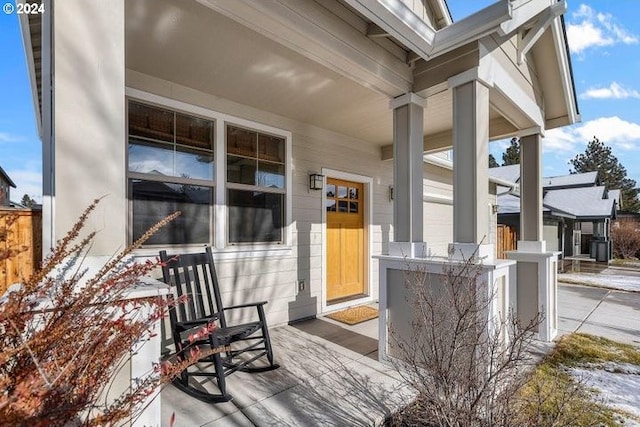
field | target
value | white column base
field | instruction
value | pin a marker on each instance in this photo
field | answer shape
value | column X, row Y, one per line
column 409, row 249
column 394, row 309
column 478, row 253
column 534, row 287
column 532, row 246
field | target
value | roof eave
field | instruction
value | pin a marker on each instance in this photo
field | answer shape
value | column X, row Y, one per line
column 31, row 66
column 561, row 45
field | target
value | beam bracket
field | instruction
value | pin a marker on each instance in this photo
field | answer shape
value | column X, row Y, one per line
column 528, row 37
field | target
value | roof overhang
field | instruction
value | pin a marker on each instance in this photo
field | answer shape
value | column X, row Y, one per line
column 334, row 35
column 30, row 30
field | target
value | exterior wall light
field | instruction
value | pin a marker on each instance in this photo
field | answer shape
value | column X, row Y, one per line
column 316, row 181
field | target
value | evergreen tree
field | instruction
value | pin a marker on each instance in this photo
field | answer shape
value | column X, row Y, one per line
column 27, row 201
column 492, row 161
column 598, row 157
column 512, row 155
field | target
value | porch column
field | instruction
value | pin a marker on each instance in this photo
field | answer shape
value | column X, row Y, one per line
column 408, row 164
column 471, row 169
column 89, row 128
column 531, row 190
column 535, row 286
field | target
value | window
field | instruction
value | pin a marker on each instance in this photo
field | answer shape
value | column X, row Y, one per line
column 255, row 186
column 343, row 199
column 170, row 168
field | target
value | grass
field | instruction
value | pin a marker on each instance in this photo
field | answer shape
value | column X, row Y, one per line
column 552, row 397
column 580, row 349
column 626, row 262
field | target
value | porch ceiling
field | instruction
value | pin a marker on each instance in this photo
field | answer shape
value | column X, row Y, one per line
column 210, row 46
column 190, row 44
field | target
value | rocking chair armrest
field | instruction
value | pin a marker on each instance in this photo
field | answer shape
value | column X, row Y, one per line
column 251, row 304
column 190, row 324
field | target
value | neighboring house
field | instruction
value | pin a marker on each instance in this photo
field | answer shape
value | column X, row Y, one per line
column 5, row 188
column 289, row 133
column 577, row 210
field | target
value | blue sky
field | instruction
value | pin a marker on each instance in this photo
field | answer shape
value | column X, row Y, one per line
column 604, row 37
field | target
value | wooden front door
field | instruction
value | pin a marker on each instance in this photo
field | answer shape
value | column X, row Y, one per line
column 345, row 239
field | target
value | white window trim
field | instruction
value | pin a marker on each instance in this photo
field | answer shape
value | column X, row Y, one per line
column 219, row 207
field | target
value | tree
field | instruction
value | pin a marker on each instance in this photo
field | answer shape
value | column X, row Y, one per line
column 598, row 157
column 512, row 154
column 625, row 238
column 27, row 201
column 492, row 161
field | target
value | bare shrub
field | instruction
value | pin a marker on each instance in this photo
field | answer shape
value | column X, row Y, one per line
column 625, row 237
column 64, row 335
column 466, row 365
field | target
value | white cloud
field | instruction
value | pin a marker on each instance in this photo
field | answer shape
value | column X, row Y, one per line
column 615, row 91
column 595, row 29
column 502, row 144
column 7, row 137
column 561, row 139
column 613, row 131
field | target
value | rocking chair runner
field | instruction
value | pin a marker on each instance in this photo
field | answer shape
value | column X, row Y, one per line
column 194, row 275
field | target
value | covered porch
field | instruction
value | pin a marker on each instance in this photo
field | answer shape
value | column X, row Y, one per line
column 349, row 92
column 353, row 93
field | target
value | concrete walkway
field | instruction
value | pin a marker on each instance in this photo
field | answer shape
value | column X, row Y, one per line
column 330, row 375
column 604, row 312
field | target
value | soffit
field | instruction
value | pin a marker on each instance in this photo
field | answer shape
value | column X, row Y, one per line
column 192, row 45
column 546, row 63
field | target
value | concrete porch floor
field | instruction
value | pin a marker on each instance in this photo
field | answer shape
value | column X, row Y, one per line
column 329, row 375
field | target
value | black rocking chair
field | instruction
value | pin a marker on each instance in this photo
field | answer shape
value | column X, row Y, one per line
column 194, row 275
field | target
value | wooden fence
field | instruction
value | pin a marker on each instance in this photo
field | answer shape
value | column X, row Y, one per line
column 507, row 240
column 21, row 231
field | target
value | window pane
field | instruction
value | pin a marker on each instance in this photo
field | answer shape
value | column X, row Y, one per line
column 241, row 170
column 194, row 164
column 150, row 122
column 255, row 216
column 150, row 158
column 342, row 192
column 270, row 175
column 331, row 190
column 331, row 205
column 342, row 206
column 353, row 207
column 353, row 193
column 241, row 141
column 153, row 201
column 271, row 148
column 194, row 132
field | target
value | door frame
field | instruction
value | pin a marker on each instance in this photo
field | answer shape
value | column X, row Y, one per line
column 367, row 182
